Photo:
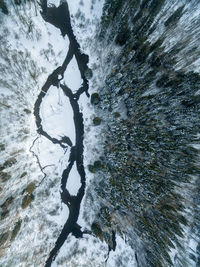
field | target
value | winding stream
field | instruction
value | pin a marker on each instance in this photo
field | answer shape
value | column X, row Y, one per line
column 60, row 18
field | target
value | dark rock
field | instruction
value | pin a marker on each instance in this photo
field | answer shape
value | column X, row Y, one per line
column 96, row 229
column 95, row 99
column 91, row 168
column 2, row 147
column 97, row 121
column 3, row 7
column 16, row 230
column 31, row 187
column 117, row 114
column 3, row 238
column 7, row 203
column 9, row 163
column 27, row 200
column 27, row 111
column 88, row 74
column 97, row 164
column 4, row 176
column 23, row 174
column 4, row 214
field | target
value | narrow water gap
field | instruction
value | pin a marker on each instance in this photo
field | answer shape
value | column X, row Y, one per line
column 60, row 18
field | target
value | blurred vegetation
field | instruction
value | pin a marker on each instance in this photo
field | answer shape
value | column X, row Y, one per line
column 16, row 229
column 149, row 163
column 3, row 7
column 27, row 200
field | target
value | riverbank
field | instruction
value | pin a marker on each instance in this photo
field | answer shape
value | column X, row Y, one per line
column 35, row 185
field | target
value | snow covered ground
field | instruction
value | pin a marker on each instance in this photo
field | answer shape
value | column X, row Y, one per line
column 28, row 55
column 90, row 251
column 57, row 115
column 30, row 192
column 31, row 50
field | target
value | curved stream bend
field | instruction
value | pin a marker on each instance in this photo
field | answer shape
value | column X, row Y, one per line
column 60, row 18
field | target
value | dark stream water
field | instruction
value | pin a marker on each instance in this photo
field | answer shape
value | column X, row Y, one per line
column 60, row 18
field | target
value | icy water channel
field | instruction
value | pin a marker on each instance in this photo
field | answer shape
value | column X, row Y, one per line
column 60, row 18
